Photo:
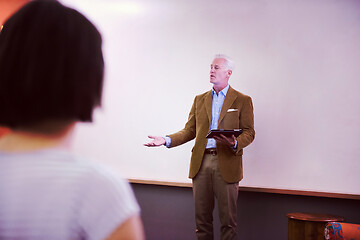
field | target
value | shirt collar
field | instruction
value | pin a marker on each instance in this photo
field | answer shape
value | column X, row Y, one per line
column 224, row 91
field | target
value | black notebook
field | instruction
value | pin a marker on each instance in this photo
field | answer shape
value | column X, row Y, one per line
column 226, row 133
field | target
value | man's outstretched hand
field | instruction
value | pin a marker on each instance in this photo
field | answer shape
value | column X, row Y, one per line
column 157, row 141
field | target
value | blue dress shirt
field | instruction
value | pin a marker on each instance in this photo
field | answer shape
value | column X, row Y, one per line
column 217, row 103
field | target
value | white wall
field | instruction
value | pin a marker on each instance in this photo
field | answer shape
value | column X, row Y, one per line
column 298, row 60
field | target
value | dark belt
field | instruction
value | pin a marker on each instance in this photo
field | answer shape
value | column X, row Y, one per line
column 211, row 151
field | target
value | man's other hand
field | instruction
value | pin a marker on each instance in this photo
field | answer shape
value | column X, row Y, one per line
column 229, row 141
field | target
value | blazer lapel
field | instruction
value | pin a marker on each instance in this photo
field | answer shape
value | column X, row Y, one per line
column 208, row 105
column 229, row 99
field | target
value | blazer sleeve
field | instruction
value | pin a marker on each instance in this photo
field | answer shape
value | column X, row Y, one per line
column 247, row 124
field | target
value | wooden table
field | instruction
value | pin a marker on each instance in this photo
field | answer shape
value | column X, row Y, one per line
column 309, row 226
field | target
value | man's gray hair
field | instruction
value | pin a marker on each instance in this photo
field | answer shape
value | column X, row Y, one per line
column 229, row 64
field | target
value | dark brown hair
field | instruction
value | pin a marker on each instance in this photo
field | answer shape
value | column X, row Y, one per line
column 51, row 66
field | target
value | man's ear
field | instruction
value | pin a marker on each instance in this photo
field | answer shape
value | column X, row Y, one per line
column 229, row 72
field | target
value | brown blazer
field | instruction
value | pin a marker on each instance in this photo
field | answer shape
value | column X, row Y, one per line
column 241, row 116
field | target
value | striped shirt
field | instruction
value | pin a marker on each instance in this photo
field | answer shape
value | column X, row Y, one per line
column 55, row 195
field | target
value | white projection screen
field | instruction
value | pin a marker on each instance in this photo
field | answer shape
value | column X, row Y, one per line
column 298, row 60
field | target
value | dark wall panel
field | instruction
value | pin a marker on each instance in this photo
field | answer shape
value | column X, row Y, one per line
column 168, row 212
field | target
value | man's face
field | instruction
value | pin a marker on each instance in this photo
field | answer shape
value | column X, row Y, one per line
column 219, row 75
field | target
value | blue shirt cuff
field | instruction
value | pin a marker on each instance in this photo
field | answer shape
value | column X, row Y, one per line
column 167, row 141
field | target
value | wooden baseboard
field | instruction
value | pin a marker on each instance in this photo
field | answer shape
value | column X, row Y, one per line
column 257, row 189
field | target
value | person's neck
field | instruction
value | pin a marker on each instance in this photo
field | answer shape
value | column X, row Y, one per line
column 218, row 89
column 23, row 141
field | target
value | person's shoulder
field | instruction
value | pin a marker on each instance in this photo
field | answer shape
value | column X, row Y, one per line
column 96, row 170
column 203, row 95
column 88, row 170
column 239, row 94
column 107, row 199
column 102, row 182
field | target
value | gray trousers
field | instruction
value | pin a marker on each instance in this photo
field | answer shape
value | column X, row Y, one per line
column 208, row 184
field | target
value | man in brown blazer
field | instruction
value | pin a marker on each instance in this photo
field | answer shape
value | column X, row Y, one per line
column 216, row 164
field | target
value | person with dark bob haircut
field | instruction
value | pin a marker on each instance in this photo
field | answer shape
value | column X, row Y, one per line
column 51, row 66
column 51, row 77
